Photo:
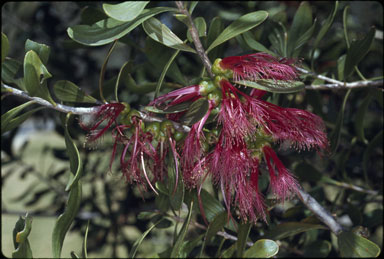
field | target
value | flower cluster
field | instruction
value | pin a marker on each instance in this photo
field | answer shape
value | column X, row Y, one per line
column 227, row 141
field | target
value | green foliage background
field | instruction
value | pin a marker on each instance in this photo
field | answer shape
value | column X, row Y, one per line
column 35, row 166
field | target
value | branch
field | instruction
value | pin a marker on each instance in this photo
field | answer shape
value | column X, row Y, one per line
column 195, row 37
column 321, row 213
column 80, row 110
column 336, row 84
column 58, row 107
column 357, row 84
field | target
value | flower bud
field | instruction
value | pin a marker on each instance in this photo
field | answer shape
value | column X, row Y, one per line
column 153, row 128
column 217, row 69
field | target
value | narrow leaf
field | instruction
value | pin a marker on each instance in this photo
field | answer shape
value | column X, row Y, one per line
column 289, row 229
column 302, row 21
column 326, row 25
column 336, row 133
column 180, row 238
column 74, row 158
column 196, row 112
column 126, row 11
column 357, row 51
column 162, row 34
column 360, row 115
column 201, row 27
column 10, row 120
column 274, row 86
column 9, row 69
column 69, row 92
column 4, row 46
column 263, row 248
column 255, row 45
column 353, row 245
column 108, row 30
column 242, row 237
column 243, row 24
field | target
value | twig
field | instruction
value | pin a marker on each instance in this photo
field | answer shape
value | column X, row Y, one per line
column 195, row 37
column 321, row 213
column 57, row 107
column 80, row 110
column 357, row 84
column 336, row 84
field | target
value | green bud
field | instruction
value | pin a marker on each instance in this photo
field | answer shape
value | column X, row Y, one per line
column 219, row 71
column 216, row 96
column 178, row 135
column 207, row 87
column 153, row 128
column 167, row 125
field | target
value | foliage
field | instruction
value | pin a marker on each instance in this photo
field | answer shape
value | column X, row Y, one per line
column 132, row 52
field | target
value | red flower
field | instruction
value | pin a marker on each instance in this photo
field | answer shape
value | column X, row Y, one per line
column 188, row 93
column 140, row 152
column 106, row 112
column 232, row 116
column 259, row 66
column 193, row 150
column 282, row 182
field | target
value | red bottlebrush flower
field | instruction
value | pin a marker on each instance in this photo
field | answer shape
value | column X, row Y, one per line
column 193, row 150
column 232, row 116
column 301, row 128
column 282, row 182
column 106, row 112
column 136, row 147
column 189, row 93
column 248, row 198
column 259, row 66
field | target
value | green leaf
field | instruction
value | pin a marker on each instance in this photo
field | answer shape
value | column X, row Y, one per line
column 162, row 34
column 175, row 198
column 20, row 238
column 164, row 72
column 255, row 45
column 212, row 207
column 274, row 86
column 201, row 27
column 126, row 11
column 65, row 220
column 108, row 30
column 35, row 75
column 159, row 56
column 229, row 252
column 242, row 237
column 196, row 112
column 4, row 46
column 84, row 249
column 325, row 26
column 318, row 249
column 180, row 237
column 69, row 92
column 214, row 30
column 353, row 245
column 76, row 165
column 376, row 141
column 289, row 229
column 302, row 21
column 243, row 24
column 138, row 242
column 41, row 50
column 278, row 38
column 173, row 109
column 10, row 120
column 216, row 225
column 9, row 69
column 336, row 133
column 340, row 67
column 302, row 40
column 360, row 115
column 262, row 248
column 357, row 51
